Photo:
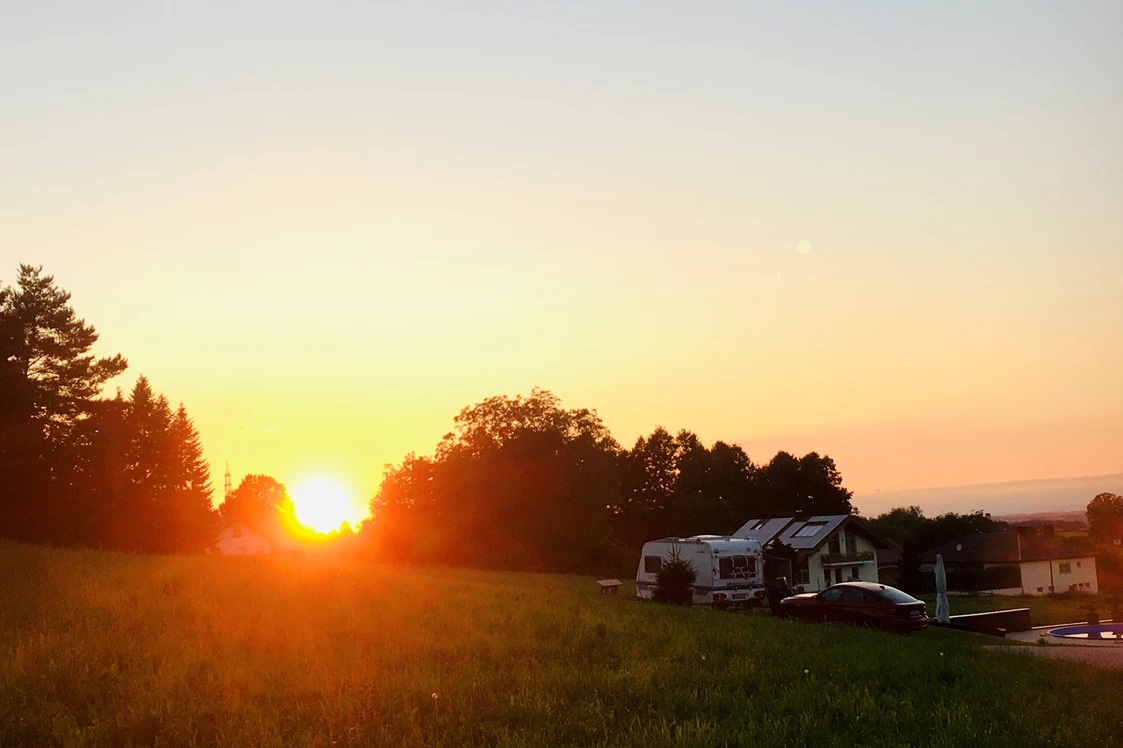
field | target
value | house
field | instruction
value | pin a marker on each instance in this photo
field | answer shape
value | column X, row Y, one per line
column 830, row 548
column 889, row 563
column 239, row 539
column 1009, row 563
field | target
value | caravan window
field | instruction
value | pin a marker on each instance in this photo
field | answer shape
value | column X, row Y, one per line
column 736, row 567
column 652, row 564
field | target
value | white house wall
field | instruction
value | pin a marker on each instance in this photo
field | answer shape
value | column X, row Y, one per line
column 249, row 544
column 867, row 570
column 1043, row 577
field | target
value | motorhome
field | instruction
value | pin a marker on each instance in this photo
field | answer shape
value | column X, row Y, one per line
column 729, row 571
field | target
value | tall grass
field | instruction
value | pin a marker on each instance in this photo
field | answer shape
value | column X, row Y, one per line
column 105, row 649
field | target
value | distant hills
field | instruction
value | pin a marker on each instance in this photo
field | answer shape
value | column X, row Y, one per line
column 1057, row 519
column 1016, row 498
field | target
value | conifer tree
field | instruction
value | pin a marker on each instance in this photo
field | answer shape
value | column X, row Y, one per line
column 48, row 383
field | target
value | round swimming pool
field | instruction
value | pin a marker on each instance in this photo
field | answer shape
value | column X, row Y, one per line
column 1104, row 631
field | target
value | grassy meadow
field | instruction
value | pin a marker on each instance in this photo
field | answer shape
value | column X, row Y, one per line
column 101, row 649
column 1069, row 607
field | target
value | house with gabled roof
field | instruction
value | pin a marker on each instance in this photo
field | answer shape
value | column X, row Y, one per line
column 240, row 539
column 1038, row 565
column 830, row 548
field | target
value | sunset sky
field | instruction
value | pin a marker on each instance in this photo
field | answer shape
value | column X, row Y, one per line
column 888, row 233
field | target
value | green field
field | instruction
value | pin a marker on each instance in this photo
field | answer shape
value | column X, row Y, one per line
column 113, row 650
column 1043, row 609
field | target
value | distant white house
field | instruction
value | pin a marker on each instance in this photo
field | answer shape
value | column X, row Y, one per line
column 1044, row 565
column 830, row 548
column 239, row 539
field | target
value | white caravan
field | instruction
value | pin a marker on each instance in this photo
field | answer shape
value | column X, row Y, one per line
column 729, row 571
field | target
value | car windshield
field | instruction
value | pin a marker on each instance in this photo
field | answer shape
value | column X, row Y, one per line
column 896, row 596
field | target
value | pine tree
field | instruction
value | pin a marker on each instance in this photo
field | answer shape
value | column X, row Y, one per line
column 51, row 350
column 192, row 515
column 48, row 384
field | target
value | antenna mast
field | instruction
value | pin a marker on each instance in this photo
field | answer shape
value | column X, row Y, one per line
column 227, row 489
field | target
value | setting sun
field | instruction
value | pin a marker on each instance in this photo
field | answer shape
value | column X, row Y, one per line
column 323, row 504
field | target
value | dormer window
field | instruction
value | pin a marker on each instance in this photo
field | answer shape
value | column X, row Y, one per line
column 237, row 531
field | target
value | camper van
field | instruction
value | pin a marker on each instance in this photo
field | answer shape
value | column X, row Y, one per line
column 730, row 571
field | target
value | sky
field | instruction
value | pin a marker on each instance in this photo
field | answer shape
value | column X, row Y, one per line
column 886, row 232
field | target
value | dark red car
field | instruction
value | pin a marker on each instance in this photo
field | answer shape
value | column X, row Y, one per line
column 861, row 604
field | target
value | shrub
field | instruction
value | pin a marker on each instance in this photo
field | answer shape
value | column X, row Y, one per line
column 674, row 584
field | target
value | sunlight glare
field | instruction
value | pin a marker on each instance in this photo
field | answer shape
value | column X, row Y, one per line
column 322, row 504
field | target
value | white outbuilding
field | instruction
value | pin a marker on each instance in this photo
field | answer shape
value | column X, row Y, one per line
column 239, row 539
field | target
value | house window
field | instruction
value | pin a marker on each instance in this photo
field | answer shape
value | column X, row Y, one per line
column 802, row 572
column 652, row 564
column 838, row 574
column 1040, row 590
column 736, row 567
column 826, row 577
column 809, row 529
column 833, row 544
column 260, row 549
column 855, row 572
column 237, row 531
column 241, row 550
column 1079, row 564
column 851, row 543
column 1066, row 568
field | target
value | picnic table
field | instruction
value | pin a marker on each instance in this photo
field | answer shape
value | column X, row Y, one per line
column 609, row 586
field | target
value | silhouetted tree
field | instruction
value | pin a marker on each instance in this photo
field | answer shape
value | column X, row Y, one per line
column 900, row 524
column 648, row 473
column 189, row 511
column 49, row 382
column 51, row 351
column 811, row 484
column 1105, row 516
column 258, row 501
column 520, row 483
column 733, row 485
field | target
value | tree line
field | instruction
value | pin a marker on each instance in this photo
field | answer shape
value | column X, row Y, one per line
column 124, row 473
column 75, row 468
column 522, row 482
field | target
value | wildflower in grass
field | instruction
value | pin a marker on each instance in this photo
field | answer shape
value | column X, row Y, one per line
column 435, row 696
column 805, row 672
